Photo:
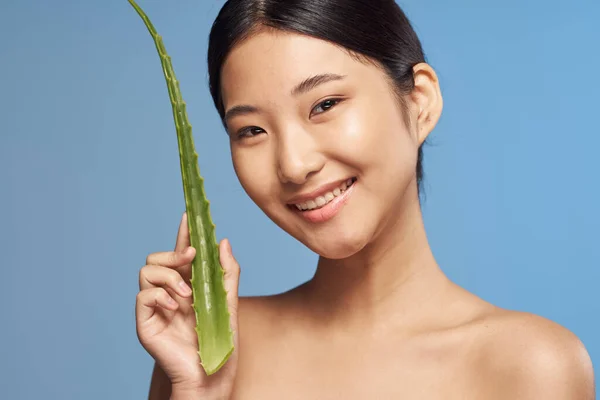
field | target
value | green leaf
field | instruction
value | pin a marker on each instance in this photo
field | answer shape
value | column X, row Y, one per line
column 215, row 336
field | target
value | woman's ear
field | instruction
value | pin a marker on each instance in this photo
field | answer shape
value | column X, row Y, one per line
column 427, row 98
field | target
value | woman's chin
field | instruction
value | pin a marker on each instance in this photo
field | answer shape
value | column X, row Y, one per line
column 336, row 248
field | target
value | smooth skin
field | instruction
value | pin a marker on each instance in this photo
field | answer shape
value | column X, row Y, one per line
column 379, row 319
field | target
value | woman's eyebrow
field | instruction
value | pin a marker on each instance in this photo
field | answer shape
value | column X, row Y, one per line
column 314, row 81
column 303, row 87
column 243, row 109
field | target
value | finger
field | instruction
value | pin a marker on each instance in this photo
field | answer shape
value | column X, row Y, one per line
column 147, row 300
column 183, row 235
column 172, row 259
column 157, row 276
column 231, row 277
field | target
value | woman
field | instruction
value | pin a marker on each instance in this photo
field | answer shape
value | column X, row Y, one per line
column 327, row 105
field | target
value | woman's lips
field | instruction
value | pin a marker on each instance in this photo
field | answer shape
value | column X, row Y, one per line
column 330, row 209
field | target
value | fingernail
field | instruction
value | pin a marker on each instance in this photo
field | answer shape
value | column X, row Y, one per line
column 183, row 252
column 184, row 287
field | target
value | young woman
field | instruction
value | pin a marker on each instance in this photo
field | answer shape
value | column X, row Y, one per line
column 327, row 104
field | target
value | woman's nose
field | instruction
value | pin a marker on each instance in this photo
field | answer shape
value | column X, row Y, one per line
column 298, row 157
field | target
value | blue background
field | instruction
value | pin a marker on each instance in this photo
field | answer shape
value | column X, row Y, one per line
column 90, row 181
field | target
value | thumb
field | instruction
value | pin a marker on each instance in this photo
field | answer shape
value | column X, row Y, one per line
column 232, row 278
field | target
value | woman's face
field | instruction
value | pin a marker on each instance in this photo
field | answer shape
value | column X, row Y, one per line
column 313, row 128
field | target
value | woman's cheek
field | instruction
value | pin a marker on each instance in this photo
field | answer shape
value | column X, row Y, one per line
column 348, row 137
column 363, row 137
column 253, row 172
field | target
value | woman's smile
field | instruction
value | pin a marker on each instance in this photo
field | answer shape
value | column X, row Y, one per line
column 324, row 203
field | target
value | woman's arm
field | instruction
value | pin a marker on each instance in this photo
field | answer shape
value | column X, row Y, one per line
column 160, row 385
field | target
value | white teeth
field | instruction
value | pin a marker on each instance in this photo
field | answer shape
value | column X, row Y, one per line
column 326, row 198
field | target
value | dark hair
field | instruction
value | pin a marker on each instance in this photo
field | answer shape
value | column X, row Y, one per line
column 377, row 31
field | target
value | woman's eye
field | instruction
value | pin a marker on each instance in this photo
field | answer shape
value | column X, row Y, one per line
column 324, row 106
column 249, row 131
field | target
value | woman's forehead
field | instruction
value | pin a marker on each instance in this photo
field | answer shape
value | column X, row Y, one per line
column 279, row 61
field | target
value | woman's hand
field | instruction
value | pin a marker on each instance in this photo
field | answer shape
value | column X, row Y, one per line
column 166, row 322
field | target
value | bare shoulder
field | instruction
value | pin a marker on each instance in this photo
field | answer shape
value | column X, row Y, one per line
column 253, row 309
column 263, row 329
column 271, row 308
column 263, row 319
column 531, row 357
column 255, row 313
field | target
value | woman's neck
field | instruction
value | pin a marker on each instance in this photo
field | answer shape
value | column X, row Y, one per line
column 396, row 275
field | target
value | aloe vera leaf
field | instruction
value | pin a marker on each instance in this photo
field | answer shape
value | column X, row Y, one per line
column 215, row 336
